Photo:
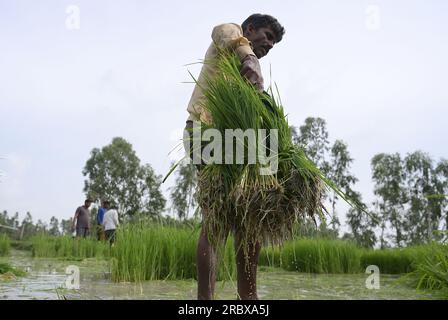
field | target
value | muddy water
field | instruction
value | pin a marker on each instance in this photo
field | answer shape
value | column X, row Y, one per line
column 46, row 279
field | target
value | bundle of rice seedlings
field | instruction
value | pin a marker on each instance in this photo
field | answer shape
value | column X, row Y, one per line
column 261, row 208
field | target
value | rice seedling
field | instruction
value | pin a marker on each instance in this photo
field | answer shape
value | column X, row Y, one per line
column 431, row 269
column 320, row 256
column 390, row 261
column 236, row 196
column 426, row 263
column 67, row 247
column 271, row 256
column 5, row 245
column 154, row 252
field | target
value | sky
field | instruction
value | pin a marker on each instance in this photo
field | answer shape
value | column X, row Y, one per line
column 75, row 74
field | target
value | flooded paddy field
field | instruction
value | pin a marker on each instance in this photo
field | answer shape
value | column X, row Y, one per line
column 46, row 279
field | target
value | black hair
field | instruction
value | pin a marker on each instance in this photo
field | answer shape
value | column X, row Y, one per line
column 263, row 21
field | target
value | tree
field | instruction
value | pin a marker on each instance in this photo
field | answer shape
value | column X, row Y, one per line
column 313, row 137
column 389, row 180
column 183, row 193
column 66, row 226
column 442, row 187
column 152, row 201
column 425, row 208
column 41, row 227
column 27, row 225
column 339, row 173
column 334, row 161
column 362, row 224
column 54, row 227
column 115, row 173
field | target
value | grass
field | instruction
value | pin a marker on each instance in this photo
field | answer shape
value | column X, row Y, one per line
column 431, row 269
column 6, row 269
column 5, row 245
column 153, row 252
column 391, row 261
column 67, row 247
column 424, row 266
column 314, row 256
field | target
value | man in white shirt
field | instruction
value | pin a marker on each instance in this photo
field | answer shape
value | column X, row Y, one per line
column 110, row 223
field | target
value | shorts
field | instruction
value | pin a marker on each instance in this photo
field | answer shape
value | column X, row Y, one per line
column 82, row 232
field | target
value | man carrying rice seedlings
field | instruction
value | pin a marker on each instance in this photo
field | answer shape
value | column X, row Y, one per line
column 250, row 41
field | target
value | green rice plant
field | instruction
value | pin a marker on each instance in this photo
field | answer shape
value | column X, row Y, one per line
column 5, row 245
column 431, row 269
column 425, row 262
column 6, row 268
column 321, row 256
column 271, row 257
column 67, row 247
column 390, row 261
column 153, row 252
column 261, row 207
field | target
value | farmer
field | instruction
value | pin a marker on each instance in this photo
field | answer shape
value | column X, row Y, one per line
column 99, row 219
column 251, row 41
column 110, row 224
column 82, row 219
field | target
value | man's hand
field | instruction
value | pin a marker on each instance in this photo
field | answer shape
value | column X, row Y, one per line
column 251, row 71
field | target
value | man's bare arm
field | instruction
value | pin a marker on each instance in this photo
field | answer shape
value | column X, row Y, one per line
column 75, row 218
column 251, row 70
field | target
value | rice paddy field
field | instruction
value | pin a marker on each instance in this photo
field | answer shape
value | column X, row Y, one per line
column 158, row 262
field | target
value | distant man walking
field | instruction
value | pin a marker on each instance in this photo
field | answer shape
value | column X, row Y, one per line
column 110, row 223
column 82, row 220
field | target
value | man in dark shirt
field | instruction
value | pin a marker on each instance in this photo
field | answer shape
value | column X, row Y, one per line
column 82, row 219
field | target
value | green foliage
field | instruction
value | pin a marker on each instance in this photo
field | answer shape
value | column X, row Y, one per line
column 115, row 173
column 389, row 261
column 5, row 245
column 431, row 269
column 427, row 265
column 153, row 252
column 409, row 192
column 313, row 137
column 7, row 268
column 315, row 256
column 389, row 180
column 334, row 161
column 67, row 247
column 362, row 224
column 183, row 195
column 237, row 195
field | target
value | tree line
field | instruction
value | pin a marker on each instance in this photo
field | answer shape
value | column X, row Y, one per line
column 26, row 228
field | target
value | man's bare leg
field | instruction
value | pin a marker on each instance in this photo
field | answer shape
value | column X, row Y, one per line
column 247, row 274
column 206, row 264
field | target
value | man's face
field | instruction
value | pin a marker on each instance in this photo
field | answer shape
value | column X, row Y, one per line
column 262, row 39
column 87, row 204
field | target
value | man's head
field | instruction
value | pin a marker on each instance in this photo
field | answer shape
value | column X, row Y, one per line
column 263, row 31
column 106, row 204
column 87, row 203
